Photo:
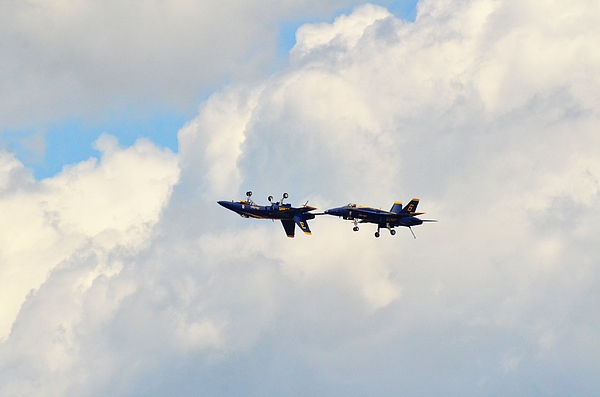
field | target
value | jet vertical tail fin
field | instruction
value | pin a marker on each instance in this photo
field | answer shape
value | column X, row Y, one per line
column 397, row 207
column 290, row 227
column 411, row 207
column 302, row 223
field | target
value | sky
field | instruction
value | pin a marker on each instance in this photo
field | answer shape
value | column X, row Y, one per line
column 72, row 71
column 122, row 126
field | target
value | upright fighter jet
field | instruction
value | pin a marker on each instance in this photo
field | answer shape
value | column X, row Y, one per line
column 396, row 216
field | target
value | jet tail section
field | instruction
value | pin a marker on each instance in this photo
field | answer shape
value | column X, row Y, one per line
column 302, row 224
column 290, row 227
column 397, row 207
column 411, row 207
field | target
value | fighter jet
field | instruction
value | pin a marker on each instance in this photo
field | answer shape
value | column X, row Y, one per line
column 396, row 216
column 289, row 216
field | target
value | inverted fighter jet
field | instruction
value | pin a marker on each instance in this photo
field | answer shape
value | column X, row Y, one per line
column 289, row 216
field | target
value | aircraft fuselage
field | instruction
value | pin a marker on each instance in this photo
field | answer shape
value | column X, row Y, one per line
column 272, row 211
column 288, row 215
column 397, row 216
column 374, row 215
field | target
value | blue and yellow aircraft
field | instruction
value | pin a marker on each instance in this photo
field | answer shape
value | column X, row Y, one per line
column 289, row 216
column 396, row 216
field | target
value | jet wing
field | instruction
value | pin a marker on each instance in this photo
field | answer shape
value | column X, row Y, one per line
column 302, row 224
column 290, row 226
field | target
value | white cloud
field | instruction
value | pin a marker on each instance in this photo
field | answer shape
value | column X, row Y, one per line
column 87, row 58
column 97, row 206
column 499, row 141
column 345, row 32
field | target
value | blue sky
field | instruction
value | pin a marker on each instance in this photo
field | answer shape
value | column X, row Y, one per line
column 48, row 147
column 71, row 141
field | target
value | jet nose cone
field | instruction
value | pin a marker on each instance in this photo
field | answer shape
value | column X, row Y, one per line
column 334, row 211
column 226, row 204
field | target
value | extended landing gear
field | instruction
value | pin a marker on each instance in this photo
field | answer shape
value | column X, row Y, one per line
column 378, row 232
column 388, row 227
column 355, row 228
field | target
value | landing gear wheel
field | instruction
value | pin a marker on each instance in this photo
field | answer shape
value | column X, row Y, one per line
column 355, row 228
column 392, row 232
column 377, row 234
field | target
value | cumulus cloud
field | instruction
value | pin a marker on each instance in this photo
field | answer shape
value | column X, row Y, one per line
column 481, row 108
column 101, row 207
column 86, row 58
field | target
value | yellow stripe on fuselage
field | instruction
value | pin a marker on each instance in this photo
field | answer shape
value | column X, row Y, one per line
column 253, row 215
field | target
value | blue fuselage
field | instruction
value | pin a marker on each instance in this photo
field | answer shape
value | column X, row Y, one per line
column 384, row 219
column 273, row 211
